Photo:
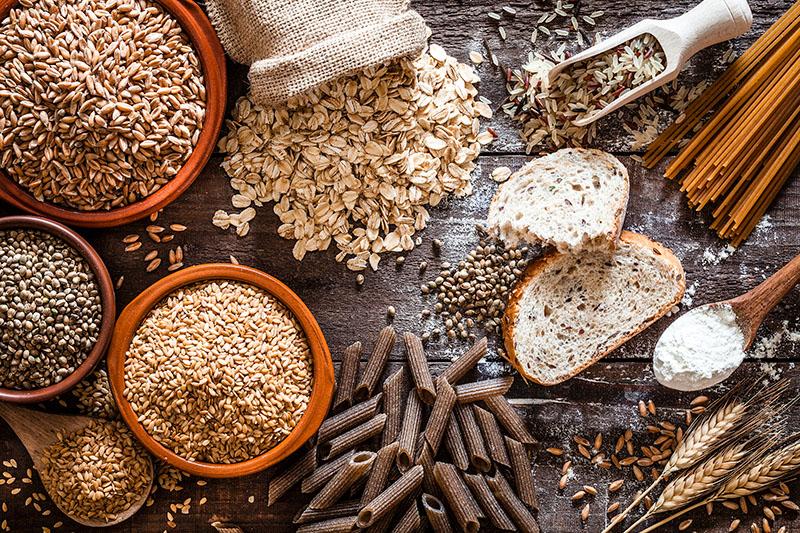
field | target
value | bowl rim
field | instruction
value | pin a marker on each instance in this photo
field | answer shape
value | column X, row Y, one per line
column 206, row 43
column 107, row 303
column 322, row 366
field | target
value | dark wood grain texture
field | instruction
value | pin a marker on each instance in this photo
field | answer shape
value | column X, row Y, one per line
column 602, row 399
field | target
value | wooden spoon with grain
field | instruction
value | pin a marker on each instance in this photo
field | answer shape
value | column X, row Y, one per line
column 37, row 431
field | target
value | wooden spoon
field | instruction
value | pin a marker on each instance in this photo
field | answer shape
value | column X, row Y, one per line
column 37, row 431
column 753, row 306
column 710, row 22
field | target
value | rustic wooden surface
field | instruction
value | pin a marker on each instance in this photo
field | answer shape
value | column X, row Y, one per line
column 602, row 399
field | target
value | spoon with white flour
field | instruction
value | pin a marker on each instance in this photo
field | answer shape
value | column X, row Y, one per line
column 706, row 345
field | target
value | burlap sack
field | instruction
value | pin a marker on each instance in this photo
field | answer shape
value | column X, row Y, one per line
column 295, row 45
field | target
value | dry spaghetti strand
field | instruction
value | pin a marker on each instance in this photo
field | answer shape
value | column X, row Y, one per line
column 738, row 161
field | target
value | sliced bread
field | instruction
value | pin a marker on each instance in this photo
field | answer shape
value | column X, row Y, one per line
column 568, row 311
column 574, row 199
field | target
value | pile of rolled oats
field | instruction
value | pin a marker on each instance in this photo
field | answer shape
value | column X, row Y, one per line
column 358, row 160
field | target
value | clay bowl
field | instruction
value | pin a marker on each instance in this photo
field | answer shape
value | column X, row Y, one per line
column 322, row 391
column 212, row 59
column 107, row 299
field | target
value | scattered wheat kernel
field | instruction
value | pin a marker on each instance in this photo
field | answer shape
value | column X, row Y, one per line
column 153, row 265
column 233, row 260
column 151, row 255
column 651, row 407
column 251, row 499
column 616, row 485
column 585, row 513
column 578, row 495
column 565, row 467
column 177, row 228
column 562, row 483
column 683, row 526
column 612, row 508
column 642, row 408
column 154, row 216
column 133, row 247
column 129, row 239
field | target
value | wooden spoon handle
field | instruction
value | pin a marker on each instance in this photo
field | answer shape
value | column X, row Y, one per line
column 754, row 305
column 709, row 23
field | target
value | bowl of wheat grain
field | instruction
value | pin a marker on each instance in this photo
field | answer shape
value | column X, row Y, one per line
column 220, row 370
column 109, row 109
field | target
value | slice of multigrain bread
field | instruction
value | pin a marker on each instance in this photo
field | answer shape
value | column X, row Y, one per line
column 569, row 311
column 574, row 199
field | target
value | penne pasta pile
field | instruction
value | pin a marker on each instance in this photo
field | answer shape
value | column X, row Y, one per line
column 420, row 449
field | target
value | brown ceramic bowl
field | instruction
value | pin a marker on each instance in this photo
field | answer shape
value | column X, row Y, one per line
column 107, row 300
column 321, row 394
column 212, row 59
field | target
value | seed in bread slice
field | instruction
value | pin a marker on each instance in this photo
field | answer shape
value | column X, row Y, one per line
column 569, row 310
column 574, row 199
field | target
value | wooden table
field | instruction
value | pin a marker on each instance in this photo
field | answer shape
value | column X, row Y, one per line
column 602, row 399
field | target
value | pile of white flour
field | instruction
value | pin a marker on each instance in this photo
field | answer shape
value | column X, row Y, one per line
column 700, row 349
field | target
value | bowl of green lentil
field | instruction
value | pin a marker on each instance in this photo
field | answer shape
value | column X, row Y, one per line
column 57, row 309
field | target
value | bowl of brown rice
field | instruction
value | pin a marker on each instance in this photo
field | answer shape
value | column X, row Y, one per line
column 114, row 115
column 220, row 370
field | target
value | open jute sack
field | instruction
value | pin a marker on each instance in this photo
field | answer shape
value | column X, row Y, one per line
column 295, row 45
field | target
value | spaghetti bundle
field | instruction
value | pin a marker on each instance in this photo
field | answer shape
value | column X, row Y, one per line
column 739, row 159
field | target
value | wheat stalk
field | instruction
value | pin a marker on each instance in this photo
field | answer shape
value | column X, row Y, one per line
column 737, row 413
column 698, row 482
column 759, row 473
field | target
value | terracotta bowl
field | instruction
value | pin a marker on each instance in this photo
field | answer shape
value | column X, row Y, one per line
column 107, row 300
column 321, row 394
column 212, row 59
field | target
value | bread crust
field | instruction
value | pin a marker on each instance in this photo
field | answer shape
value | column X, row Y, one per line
column 602, row 158
column 537, row 267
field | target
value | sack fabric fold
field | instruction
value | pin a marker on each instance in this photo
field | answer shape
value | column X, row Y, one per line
column 295, row 45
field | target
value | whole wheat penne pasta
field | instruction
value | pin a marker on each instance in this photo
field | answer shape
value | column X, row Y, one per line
column 350, row 439
column 356, row 468
column 454, row 442
column 466, row 362
column 464, row 507
column 426, row 460
column 375, row 364
column 511, row 504
column 349, row 418
column 379, row 475
column 436, row 513
column 418, row 364
column 334, row 525
column 523, row 476
column 480, row 390
column 348, row 372
column 388, row 500
column 324, row 473
column 491, row 507
column 440, row 414
column 509, row 419
column 306, row 515
column 473, row 438
column 410, row 521
column 409, row 432
column 492, row 435
column 281, row 484
column 395, row 392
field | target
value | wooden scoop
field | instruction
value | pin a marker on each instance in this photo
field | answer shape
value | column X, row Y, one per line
column 753, row 306
column 37, row 431
column 709, row 23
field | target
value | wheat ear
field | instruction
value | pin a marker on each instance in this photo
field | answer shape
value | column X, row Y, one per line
column 698, row 482
column 729, row 418
column 701, row 438
column 755, row 475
